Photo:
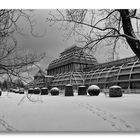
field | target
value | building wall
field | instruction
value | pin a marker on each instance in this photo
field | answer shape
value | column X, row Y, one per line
column 74, row 78
column 125, row 73
column 67, row 68
column 71, row 59
column 75, row 70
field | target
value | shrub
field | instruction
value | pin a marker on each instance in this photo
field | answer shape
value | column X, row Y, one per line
column 93, row 90
column 30, row 91
column 82, row 90
column 44, row 91
column 54, row 91
column 69, row 90
column 115, row 91
column 37, row 90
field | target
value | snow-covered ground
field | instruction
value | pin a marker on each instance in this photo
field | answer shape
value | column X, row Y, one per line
column 77, row 113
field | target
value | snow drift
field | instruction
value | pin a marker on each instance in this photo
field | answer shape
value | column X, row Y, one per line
column 76, row 113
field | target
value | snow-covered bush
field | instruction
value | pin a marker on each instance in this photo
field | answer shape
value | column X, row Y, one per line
column 54, row 91
column 69, row 90
column 115, row 91
column 30, row 91
column 44, row 91
column 82, row 90
column 93, row 90
column 21, row 91
column 37, row 90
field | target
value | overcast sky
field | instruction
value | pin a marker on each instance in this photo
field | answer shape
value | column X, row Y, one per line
column 53, row 42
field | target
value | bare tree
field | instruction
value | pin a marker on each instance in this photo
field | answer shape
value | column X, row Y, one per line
column 13, row 61
column 105, row 26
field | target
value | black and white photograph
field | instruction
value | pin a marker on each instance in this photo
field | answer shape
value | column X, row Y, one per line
column 70, row 70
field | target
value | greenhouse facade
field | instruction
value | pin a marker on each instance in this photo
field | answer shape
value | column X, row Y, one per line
column 77, row 68
column 124, row 72
column 69, row 67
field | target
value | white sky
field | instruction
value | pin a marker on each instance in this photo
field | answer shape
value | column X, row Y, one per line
column 53, row 42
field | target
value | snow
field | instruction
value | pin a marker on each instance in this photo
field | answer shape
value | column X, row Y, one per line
column 93, row 87
column 44, row 88
column 115, row 86
column 55, row 88
column 76, row 113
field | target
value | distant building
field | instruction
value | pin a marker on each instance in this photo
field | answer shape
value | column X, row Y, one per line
column 123, row 72
column 41, row 79
column 73, row 59
column 76, row 67
column 68, row 68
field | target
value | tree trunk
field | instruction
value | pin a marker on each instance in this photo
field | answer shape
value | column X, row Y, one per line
column 128, row 30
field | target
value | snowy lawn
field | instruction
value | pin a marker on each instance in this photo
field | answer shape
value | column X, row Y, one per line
column 76, row 113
